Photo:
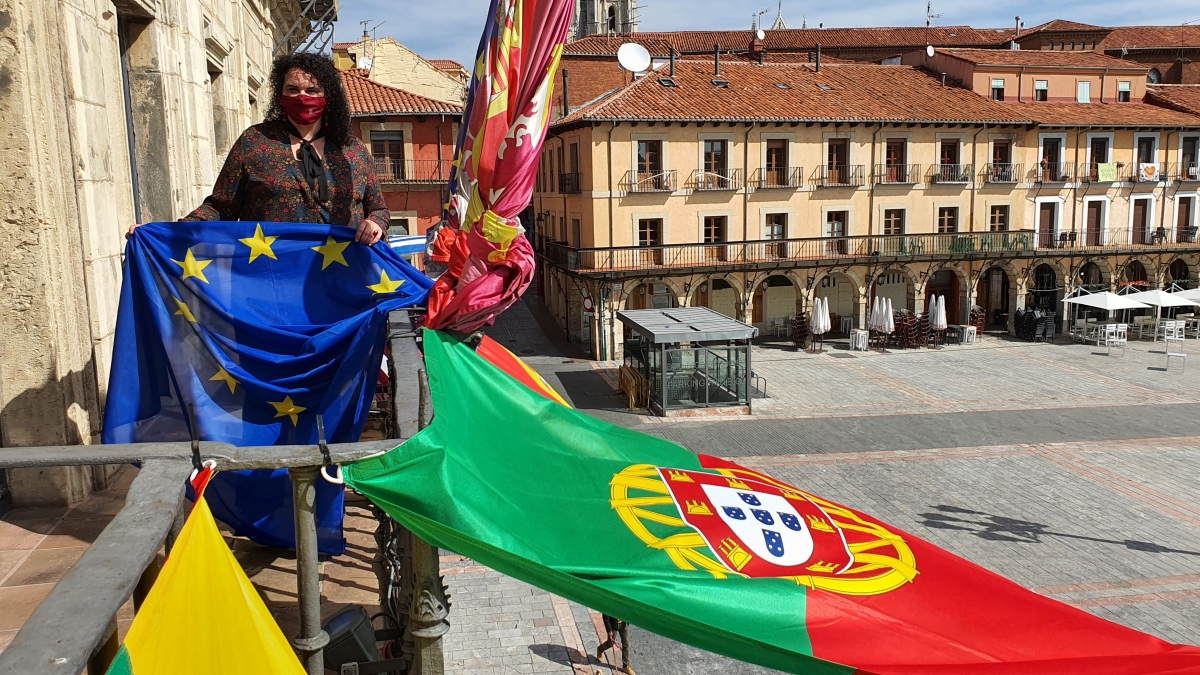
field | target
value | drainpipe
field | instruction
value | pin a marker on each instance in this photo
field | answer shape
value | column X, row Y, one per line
column 975, row 173
column 562, row 143
column 746, row 188
column 1075, row 185
column 871, row 210
column 1162, row 216
column 610, row 191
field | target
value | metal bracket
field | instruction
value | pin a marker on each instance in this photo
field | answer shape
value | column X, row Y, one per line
column 197, row 463
column 321, row 440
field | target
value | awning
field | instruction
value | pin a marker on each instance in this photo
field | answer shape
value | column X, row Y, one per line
column 1160, row 298
column 1107, row 301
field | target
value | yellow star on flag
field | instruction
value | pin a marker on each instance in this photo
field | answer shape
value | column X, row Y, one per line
column 260, row 245
column 286, row 408
column 184, row 310
column 333, row 252
column 385, row 284
column 192, row 267
column 224, row 376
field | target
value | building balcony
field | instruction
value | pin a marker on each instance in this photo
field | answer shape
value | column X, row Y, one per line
column 1002, row 173
column 1147, row 172
column 649, row 181
column 568, row 183
column 1091, row 173
column 412, row 170
column 958, row 174
column 1054, row 172
column 722, row 179
column 785, row 178
column 1187, row 172
column 897, row 174
column 845, row 175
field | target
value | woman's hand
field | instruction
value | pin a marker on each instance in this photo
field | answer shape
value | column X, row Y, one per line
column 369, row 232
column 131, row 228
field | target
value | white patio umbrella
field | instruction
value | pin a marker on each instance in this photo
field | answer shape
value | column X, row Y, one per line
column 873, row 319
column 1108, row 301
column 889, row 323
column 825, row 322
column 938, row 322
column 932, row 309
column 814, row 322
column 1160, row 298
column 1193, row 294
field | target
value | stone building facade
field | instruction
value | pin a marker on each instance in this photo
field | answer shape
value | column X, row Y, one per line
column 116, row 111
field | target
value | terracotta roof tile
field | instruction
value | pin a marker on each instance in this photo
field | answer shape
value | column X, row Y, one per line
column 859, row 93
column 1104, row 115
column 1185, row 97
column 1151, row 37
column 1062, row 25
column 372, row 98
column 445, row 64
column 346, row 45
column 1037, row 57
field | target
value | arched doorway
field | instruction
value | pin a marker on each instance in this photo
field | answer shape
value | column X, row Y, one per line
column 719, row 296
column 993, row 295
column 842, row 293
column 897, row 287
column 1091, row 278
column 650, row 296
column 945, row 282
column 1134, row 274
column 1044, row 294
column 774, row 303
column 1179, row 274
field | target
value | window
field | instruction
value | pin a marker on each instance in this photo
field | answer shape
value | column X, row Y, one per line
column 1190, row 170
column 397, row 226
column 1146, row 151
column 1083, row 92
column 1154, row 76
column 574, row 157
column 835, row 223
column 714, row 157
column 576, row 233
column 1123, row 92
column 1099, row 151
column 777, row 162
column 839, row 153
column 997, row 90
column 714, row 229
column 1001, row 152
column 649, row 157
column 998, row 218
column 650, row 232
column 949, row 152
column 947, row 220
column 612, row 19
column 387, row 149
column 1041, row 90
column 893, row 221
column 776, row 226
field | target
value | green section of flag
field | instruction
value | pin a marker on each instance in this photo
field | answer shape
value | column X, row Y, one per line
column 522, row 484
column 121, row 665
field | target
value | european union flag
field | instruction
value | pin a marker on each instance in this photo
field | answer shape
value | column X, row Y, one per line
column 260, row 327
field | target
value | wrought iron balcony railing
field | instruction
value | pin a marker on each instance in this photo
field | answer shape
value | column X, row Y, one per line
column 1187, row 171
column 1150, row 172
column 950, row 173
column 721, row 179
column 1091, row 173
column 1054, row 172
column 650, row 181
column 790, row 177
column 1002, row 173
column 843, row 175
column 412, row 170
column 897, row 174
column 568, row 183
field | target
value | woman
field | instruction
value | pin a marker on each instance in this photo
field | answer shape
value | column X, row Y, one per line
column 302, row 164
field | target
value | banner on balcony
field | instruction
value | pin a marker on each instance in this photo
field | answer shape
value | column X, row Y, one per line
column 203, row 616
column 253, row 330
column 711, row 553
column 489, row 261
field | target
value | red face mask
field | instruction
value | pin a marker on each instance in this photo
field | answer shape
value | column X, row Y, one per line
column 303, row 109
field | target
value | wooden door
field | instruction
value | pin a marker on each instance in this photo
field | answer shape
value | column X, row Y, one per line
column 896, row 162
column 1095, row 216
column 839, row 155
column 1141, row 221
column 1046, row 224
column 1187, row 205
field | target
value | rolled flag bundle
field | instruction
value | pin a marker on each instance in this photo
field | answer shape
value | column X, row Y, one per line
column 889, row 322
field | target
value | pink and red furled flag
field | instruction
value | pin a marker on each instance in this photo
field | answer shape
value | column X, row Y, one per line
column 489, row 262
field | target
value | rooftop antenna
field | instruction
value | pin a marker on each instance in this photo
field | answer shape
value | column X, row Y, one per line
column 929, row 17
column 755, row 17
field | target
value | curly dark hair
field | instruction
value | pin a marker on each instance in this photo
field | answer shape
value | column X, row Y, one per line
column 336, row 122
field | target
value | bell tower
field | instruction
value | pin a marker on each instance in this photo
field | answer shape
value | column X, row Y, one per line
column 603, row 17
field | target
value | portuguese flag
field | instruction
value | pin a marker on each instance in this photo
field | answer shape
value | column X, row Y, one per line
column 203, row 616
column 710, row 553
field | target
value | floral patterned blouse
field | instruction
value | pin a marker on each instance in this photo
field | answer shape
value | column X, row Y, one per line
column 261, row 180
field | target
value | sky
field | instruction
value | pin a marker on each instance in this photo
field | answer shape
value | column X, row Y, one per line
column 450, row 29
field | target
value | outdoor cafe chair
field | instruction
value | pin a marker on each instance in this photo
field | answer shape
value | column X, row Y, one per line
column 1114, row 336
column 1143, row 324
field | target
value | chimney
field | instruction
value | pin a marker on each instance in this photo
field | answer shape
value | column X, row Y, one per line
column 717, row 60
column 943, row 80
column 566, row 110
column 672, row 61
column 1018, row 26
column 818, row 57
column 762, row 57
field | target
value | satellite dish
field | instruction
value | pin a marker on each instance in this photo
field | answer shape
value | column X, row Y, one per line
column 633, row 57
column 760, row 34
column 364, row 63
column 929, row 51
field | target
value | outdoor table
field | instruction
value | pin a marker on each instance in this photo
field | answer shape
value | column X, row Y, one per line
column 859, row 339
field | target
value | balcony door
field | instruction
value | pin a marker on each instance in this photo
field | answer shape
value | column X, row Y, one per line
column 387, row 149
column 649, row 165
column 1047, row 213
column 835, row 229
column 1002, row 168
column 1094, row 222
column 895, row 155
column 1099, row 153
column 777, row 162
column 837, row 161
column 716, row 168
column 1051, row 156
column 714, row 233
column 776, row 230
column 1141, row 221
column 1184, row 230
column 1189, row 169
column 650, row 236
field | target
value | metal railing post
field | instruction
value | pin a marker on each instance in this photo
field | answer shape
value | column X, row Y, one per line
column 312, row 639
column 428, row 614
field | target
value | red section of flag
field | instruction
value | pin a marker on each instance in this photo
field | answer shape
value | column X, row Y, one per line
column 508, row 362
column 957, row 617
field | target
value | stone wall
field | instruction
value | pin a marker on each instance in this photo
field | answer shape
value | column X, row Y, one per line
column 69, row 191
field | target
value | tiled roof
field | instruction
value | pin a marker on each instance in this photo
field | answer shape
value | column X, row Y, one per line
column 1062, row 25
column 1104, row 115
column 346, row 45
column 1184, row 97
column 851, row 93
column 1150, row 37
column 445, row 64
column 794, row 39
column 1038, row 57
column 371, row 98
